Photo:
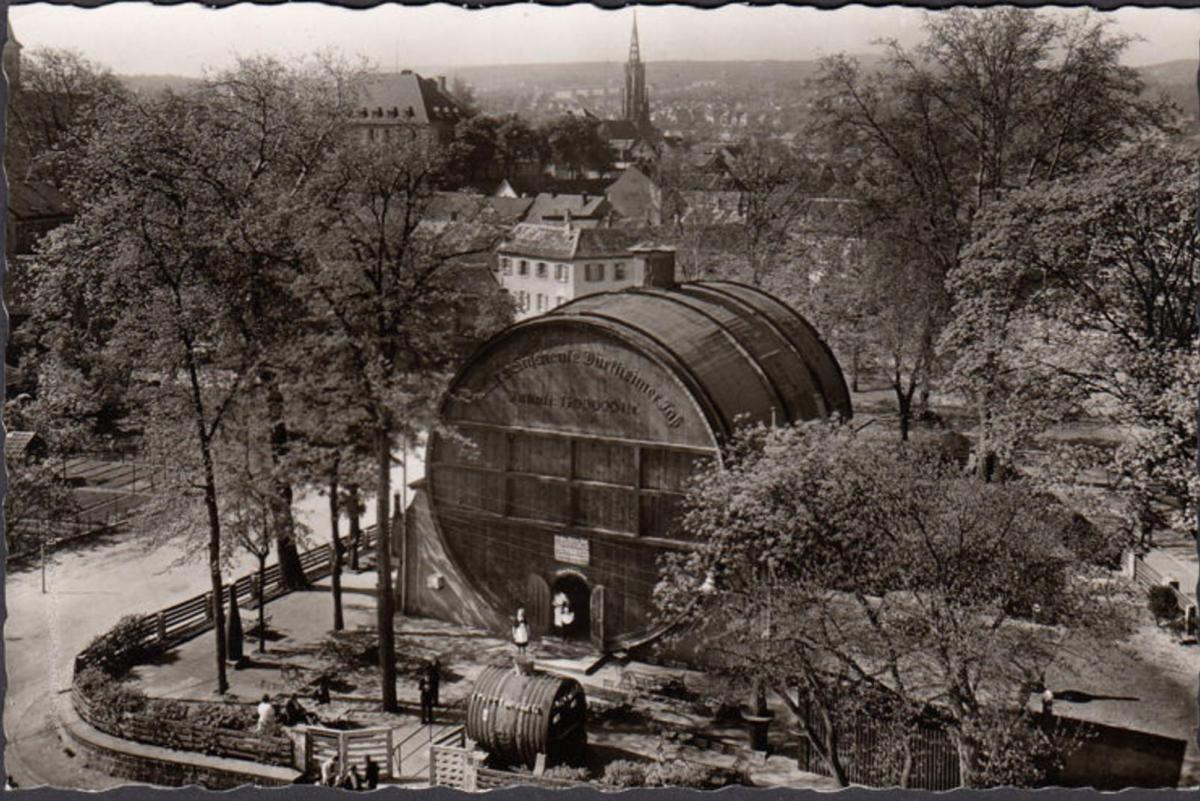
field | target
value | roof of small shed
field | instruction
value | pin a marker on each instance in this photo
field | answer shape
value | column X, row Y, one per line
column 747, row 356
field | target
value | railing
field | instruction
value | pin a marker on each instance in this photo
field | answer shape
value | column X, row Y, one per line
column 353, row 748
column 1147, row 577
column 187, row 619
column 462, row 768
column 421, row 740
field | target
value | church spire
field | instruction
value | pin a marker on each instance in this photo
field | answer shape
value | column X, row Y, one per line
column 634, row 51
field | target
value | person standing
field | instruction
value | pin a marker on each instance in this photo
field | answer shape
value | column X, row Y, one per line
column 435, row 678
column 520, row 632
column 426, row 700
column 266, row 716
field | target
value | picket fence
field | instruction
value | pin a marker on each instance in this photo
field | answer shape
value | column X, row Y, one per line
column 180, row 622
column 461, row 767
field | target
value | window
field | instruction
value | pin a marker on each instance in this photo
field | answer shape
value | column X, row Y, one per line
column 619, row 271
column 523, row 268
column 562, row 273
column 541, row 302
column 594, row 272
column 523, row 300
column 558, row 300
column 541, row 269
column 506, row 265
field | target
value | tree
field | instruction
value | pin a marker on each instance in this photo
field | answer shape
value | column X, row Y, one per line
column 54, row 109
column 575, row 146
column 1097, row 274
column 196, row 206
column 464, row 94
column 384, row 306
column 36, row 503
column 774, row 198
column 878, row 577
column 993, row 100
column 147, row 232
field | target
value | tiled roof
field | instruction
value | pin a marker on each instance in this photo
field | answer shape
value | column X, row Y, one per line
column 548, row 241
column 29, row 200
column 465, row 207
column 563, row 243
column 552, row 206
column 603, row 242
column 407, row 98
column 17, row 442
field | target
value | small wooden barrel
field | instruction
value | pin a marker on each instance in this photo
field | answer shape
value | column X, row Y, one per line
column 516, row 716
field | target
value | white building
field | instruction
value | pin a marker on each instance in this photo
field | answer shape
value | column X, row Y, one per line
column 544, row 266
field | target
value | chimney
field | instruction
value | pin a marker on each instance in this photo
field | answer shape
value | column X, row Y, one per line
column 442, row 83
column 656, row 265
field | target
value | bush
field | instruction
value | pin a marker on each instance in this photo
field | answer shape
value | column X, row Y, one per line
column 110, row 701
column 568, row 772
column 625, row 773
column 1163, row 604
column 166, row 709
column 122, row 647
column 222, row 716
column 681, row 774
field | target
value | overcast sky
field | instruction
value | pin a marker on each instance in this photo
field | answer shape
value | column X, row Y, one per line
column 140, row 38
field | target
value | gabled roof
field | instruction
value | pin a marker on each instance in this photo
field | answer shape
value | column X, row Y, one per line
column 407, row 99
column 17, row 443
column 548, row 206
column 31, row 200
column 565, row 243
column 466, row 207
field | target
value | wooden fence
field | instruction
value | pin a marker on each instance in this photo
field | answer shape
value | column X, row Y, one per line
column 182, row 621
column 352, row 748
column 183, row 736
column 462, row 768
column 862, row 750
column 418, row 743
column 1146, row 577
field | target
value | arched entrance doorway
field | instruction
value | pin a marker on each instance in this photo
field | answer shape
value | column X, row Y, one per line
column 570, row 605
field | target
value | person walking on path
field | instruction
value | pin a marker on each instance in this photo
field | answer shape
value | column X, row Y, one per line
column 520, row 632
column 266, row 716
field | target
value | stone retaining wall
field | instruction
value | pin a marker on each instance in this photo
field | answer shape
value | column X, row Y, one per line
column 164, row 767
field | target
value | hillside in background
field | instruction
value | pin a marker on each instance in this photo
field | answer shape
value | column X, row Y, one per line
column 747, row 79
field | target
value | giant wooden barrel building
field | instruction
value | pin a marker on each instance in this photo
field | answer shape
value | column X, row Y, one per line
column 567, row 440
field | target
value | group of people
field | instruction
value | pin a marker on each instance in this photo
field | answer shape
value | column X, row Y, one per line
column 293, row 715
column 334, row 774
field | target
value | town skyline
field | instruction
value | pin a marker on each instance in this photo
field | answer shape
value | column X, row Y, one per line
column 140, row 39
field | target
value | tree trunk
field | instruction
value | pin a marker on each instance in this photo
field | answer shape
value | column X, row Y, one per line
column 335, row 581
column 904, row 404
column 985, row 460
column 855, row 358
column 262, row 603
column 354, row 511
column 214, row 522
column 291, row 572
column 968, row 761
column 383, row 569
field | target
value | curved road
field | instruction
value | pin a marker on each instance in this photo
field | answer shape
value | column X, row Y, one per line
column 90, row 587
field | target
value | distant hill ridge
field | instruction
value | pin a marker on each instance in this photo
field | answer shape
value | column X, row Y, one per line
column 1176, row 78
